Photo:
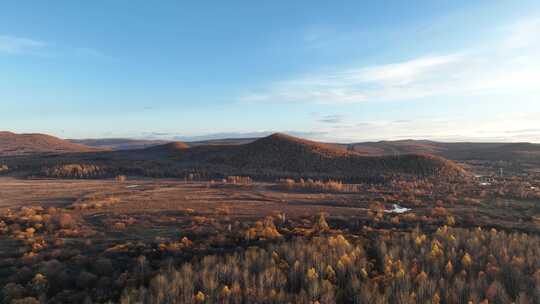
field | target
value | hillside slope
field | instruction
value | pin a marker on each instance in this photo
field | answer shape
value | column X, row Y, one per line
column 454, row 151
column 283, row 155
column 168, row 149
column 119, row 143
column 23, row 144
column 458, row 151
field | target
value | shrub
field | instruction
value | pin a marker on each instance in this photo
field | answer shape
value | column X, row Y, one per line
column 66, row 221
column 86, row 280
column 103, row 267
column 263, row 230
column 12, row 291
column 119, row 226
column 27, row 300
column 39, row 284
column 439, row 212
column 321, row 225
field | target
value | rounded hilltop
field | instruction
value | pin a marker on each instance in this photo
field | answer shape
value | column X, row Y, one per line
column 36, row 143
column 281, row 154
column 284, row 143
column 275, row 156
column 172, row 147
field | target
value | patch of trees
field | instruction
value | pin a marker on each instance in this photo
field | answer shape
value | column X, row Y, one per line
column 310, row 185
column 76, row 171
column 241, row 180
column 449, row 266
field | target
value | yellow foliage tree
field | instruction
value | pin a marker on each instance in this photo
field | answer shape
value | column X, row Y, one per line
column 200, row 297
column 449, row 267
column 466, row 260
column 312, row 274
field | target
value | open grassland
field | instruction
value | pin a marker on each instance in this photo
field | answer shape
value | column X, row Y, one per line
column 162, row 196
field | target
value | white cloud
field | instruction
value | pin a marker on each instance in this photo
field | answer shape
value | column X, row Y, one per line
column 484, row 70
column 15, row 45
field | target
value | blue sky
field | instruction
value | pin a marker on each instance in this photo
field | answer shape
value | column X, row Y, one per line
column 442, row 70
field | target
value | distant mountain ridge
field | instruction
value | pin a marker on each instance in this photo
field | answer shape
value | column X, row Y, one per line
column 455, row 151
column 281, row 155
column 271, row 157
column 134, row 144
column 119, row 143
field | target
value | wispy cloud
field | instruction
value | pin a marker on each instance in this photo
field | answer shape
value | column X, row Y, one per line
column 507, row 127
column 331, row 119
column 397, row 81
column 12, row 45
column 485, row 69
column 403, row 73
column 17, row 45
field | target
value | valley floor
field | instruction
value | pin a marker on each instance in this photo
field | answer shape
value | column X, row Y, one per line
column 58, row 229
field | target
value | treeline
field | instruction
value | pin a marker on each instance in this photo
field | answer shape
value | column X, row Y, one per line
column 310, row 185
column 231, row 175
column 76, row 171
column 89, row 170
column 450, row 266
